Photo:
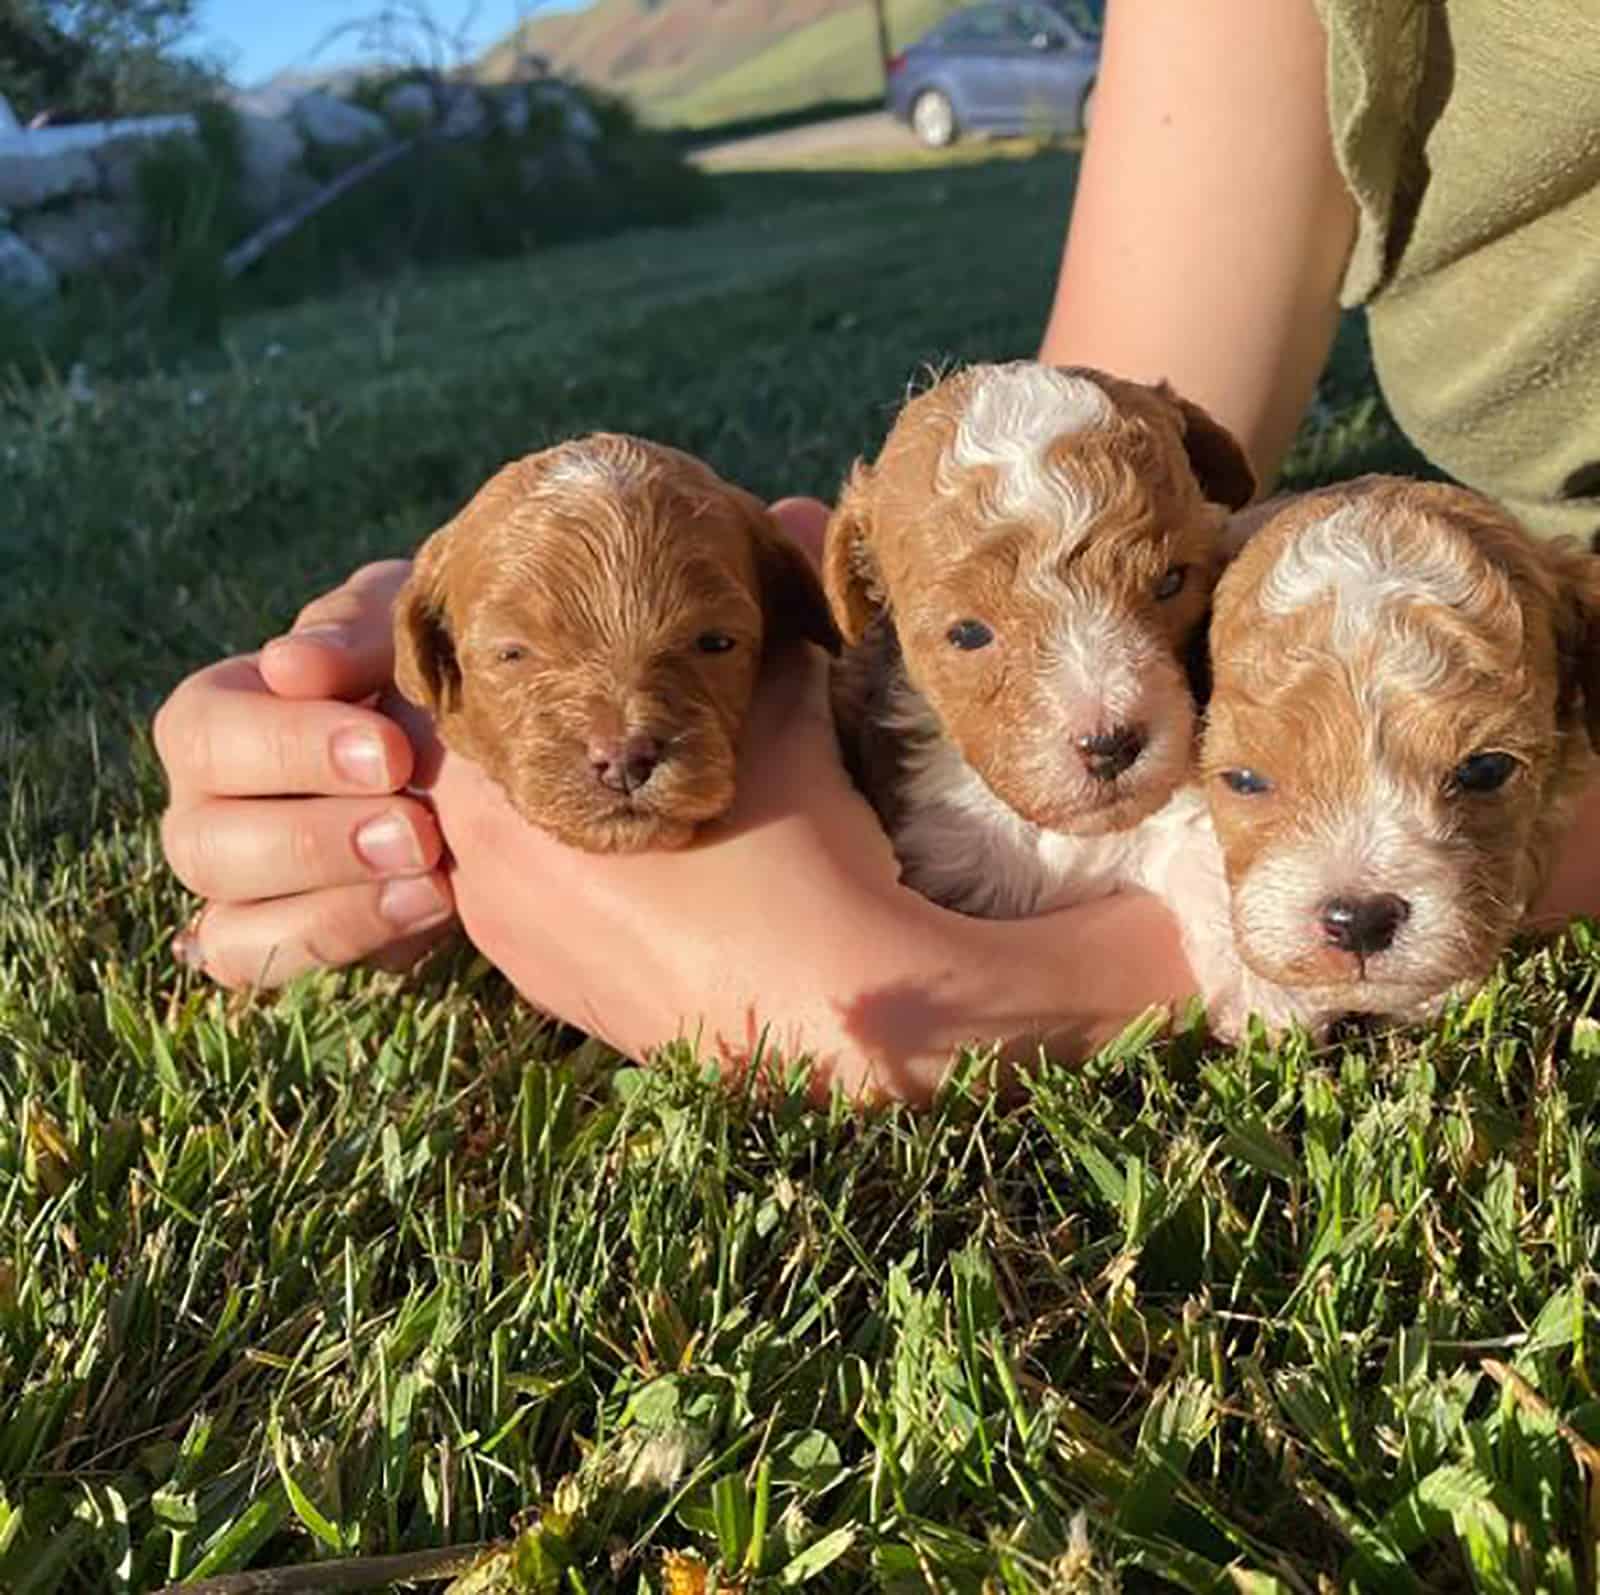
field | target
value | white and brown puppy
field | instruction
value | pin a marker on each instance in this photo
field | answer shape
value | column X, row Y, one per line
column 1021, row 577
column 1406, row 703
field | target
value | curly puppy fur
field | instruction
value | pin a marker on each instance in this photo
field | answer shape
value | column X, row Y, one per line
column 1406, row 703
column 1021, row 577
column 589, row 630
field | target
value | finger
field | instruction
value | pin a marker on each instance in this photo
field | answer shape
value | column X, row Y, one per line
column 223, row 734
column 341, row 644
column 266, row 944
column 239, row 849
column 805, row 520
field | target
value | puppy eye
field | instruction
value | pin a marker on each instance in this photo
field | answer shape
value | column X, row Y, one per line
column 968, row 635
column 713, row 642
column 1483, row 772
column 1245, row 782
column 510, row 653
column 1171, row 584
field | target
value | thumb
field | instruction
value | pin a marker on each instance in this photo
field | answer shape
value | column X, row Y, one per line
column 804, row 520
column 341, row 644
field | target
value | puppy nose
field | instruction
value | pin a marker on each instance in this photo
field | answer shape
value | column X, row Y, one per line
column 624, row 764
column 1108, row 753
column 1364, row 924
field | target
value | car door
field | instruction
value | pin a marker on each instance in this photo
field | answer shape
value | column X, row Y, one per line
column 988, row 46
column 1055, row 73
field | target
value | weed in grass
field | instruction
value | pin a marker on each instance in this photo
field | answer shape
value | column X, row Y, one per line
column 374, row 1266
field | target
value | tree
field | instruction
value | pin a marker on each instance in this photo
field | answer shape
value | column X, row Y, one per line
column 88, row 59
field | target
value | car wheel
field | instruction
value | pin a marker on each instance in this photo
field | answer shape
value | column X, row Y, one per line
column 1086, row 106
column 933, row 118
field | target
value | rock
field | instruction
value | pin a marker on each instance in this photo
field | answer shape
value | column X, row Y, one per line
column 409, row 106
column 88, row 236
column 335, row 123
column 26, row 280
column 270, row 153
column 28, row 181
column 8, row 118
column 414, row 105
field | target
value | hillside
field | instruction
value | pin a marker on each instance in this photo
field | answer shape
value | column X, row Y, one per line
column 698, row 61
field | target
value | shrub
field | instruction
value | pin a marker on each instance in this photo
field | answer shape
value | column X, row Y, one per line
column 445, row 201
column 191, row 212
column 487, row 198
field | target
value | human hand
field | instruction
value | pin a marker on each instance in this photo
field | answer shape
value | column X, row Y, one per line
column 285, row 811
column 783, row 929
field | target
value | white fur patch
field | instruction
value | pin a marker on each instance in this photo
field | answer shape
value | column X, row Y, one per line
column 1104, row 660
column 1352, row 555
column 1391, row 839
column 1013, row 416
column 965, row 847
column 586, row 463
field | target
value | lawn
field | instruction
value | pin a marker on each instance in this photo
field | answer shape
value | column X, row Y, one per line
column 375, row 1266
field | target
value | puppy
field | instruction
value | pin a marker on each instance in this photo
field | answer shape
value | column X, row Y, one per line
column 589, row 628
column 1021, row 578
column 1406, row 703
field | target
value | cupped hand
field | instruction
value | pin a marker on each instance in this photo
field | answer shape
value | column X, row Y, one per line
column 286, row 810
column 782, row 930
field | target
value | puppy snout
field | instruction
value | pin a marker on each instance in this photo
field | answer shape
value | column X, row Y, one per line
column 624, row 764
column 1106, row 754
column 1363, row 925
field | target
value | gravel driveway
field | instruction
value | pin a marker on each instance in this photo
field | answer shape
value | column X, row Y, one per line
column 874, row 132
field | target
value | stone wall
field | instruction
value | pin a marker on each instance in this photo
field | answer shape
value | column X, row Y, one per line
column 69, row 195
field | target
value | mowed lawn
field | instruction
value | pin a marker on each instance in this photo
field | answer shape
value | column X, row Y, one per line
column 375, row 1265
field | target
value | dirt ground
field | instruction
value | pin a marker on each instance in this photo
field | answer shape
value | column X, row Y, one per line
column 872, row 133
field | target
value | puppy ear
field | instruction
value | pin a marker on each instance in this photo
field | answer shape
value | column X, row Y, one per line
column 792, row 601
column 425, row 666
column 849, row 572
column 1219, row 461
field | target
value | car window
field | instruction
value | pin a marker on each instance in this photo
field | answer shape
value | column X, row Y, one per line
column 1035, row 19
column 987, row 27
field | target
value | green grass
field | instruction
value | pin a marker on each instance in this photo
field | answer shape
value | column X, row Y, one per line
column 379, row 1265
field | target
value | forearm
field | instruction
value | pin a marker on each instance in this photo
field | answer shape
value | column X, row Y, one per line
column 879, row 990
column 1210, row 225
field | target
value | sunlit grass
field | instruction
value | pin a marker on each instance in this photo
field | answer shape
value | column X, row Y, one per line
column 379, row 1265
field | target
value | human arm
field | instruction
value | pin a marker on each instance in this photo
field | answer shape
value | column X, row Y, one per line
column 1210, row 225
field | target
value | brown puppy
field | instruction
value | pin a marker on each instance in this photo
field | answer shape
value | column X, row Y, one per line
column 1406, row 702
column 1021, row 575
column 589, row 628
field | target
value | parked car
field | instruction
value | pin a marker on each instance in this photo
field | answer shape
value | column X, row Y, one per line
column 1005, row 67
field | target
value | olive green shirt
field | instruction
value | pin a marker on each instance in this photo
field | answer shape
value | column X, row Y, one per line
column 1469, row 134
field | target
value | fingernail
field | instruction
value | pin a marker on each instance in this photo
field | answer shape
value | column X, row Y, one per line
column 412, row 902
column 359, row 757
column 388, row 845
